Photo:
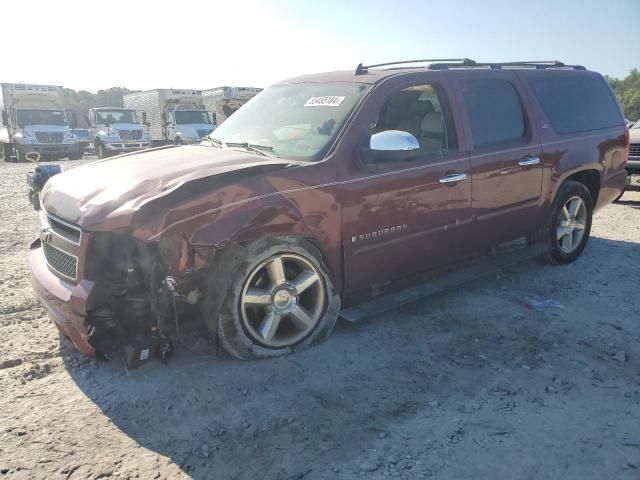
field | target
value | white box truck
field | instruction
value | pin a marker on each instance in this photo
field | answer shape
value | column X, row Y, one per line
column 222, row 102
column 115, row 130
column 35, row 124
column 175, row 116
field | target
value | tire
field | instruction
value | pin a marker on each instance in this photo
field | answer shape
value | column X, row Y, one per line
column 100, row 150
column 569, row 228
column 75, row 156
column 177, row 141
column 6, row 152
column 21, row 157
column 292, row 314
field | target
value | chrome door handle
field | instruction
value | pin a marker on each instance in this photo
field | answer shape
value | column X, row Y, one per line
column 527, row 162
column 453, row 177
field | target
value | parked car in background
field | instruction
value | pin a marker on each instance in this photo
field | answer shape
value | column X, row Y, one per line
column 34, row 122
column 117, row 130
column 321, row 187
column 174, row 116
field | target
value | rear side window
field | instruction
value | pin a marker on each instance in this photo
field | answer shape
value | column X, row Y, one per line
column 494, row 110
column 576, row 104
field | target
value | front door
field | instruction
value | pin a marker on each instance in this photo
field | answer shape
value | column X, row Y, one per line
column 405, row 217
column 505, row 157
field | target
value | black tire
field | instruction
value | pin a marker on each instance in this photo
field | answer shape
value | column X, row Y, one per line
column 177, row 141
column 6, row 152
column 75, row 156
column 230, row 328
column 568, row 190
column 21, row 157
column 101, row 152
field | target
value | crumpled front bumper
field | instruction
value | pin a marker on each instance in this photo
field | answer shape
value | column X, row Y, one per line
column 49, row 149
column 65, row 301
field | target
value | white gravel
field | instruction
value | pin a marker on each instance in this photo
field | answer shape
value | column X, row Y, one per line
column 534, row 373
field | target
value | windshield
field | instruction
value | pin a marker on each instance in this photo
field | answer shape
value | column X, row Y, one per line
column 41, row 117
column 116, row 116
column 294, row 121
column 189, row 117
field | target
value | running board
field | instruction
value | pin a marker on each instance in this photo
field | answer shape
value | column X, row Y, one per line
column 458, row 274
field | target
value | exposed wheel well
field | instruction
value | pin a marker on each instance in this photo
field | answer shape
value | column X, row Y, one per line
column 591, row 180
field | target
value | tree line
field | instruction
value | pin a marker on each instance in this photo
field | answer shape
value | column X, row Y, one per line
column 628, row 93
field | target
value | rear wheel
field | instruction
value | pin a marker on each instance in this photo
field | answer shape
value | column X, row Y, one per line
column 281, row 300
column 570, row 223
column 75, row 156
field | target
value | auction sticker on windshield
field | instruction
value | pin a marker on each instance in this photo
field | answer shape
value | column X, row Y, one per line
column 327, row 101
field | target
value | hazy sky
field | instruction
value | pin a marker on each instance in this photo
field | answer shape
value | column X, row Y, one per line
column 90, row 45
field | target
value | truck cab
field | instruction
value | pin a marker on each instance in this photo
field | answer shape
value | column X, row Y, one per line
column 187, row 125
column 35, row 124
column 117, row 130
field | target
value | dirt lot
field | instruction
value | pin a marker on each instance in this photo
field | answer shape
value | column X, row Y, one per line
column 534, row 373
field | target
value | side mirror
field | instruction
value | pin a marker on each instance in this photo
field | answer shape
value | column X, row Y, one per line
column 390, row 146
column 5, row 118
column 144, row 119
column 74, row 120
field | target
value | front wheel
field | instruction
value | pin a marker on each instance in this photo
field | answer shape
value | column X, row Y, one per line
column 101, row 151
column 281, row 300
column 570, row 223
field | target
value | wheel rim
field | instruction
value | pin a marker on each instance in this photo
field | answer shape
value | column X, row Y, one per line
column 571, row 224
column 282, row 300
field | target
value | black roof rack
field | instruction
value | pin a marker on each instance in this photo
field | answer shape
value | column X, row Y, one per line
column 445, row 64
column 362, row 69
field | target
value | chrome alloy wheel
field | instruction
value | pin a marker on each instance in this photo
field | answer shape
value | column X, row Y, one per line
column 282, row 300
column 571, row 224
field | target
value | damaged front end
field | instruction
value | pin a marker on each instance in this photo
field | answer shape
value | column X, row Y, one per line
column 108, row 290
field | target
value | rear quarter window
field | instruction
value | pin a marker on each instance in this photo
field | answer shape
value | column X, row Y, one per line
column 576, row 104
column 494, row 110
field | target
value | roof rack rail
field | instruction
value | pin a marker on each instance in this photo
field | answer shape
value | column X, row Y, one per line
column 447, row 63
column 362, row 69
column 537, row 64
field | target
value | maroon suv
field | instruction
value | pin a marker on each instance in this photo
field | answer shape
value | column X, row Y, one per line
column 322, row 186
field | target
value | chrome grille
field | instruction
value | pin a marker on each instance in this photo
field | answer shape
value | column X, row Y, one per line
column 130, row 134
column 64, row 229
column 61, row 262
column 50, row 137
column 634, row 150
column 204, row 133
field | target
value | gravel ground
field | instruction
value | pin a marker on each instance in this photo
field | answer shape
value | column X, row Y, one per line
column 534, row 373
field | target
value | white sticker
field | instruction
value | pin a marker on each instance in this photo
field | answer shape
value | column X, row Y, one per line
column 328, row 101
column 144, row 354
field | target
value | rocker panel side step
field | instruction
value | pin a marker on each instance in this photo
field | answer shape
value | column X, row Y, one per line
column 457, row 275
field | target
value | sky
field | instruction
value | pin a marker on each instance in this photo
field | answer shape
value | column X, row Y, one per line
column 142, row 45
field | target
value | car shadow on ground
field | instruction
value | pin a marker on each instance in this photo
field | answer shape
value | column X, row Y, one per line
column 373, row 383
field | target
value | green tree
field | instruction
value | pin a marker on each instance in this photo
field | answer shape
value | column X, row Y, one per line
column 628, row 92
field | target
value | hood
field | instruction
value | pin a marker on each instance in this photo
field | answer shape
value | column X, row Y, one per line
column 106, row 194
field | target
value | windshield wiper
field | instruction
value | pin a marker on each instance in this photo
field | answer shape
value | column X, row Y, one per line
column 252, row 147
column 214, row 141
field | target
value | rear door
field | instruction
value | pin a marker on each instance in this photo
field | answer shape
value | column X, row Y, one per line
column 405, row 217
column 505, row 154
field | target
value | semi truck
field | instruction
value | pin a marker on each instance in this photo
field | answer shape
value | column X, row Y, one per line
column 116, row 130
column 222, row 102
column 174, row 115
column 35, row 125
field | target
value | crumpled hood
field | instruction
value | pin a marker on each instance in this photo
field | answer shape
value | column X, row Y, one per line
column 107, row 193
